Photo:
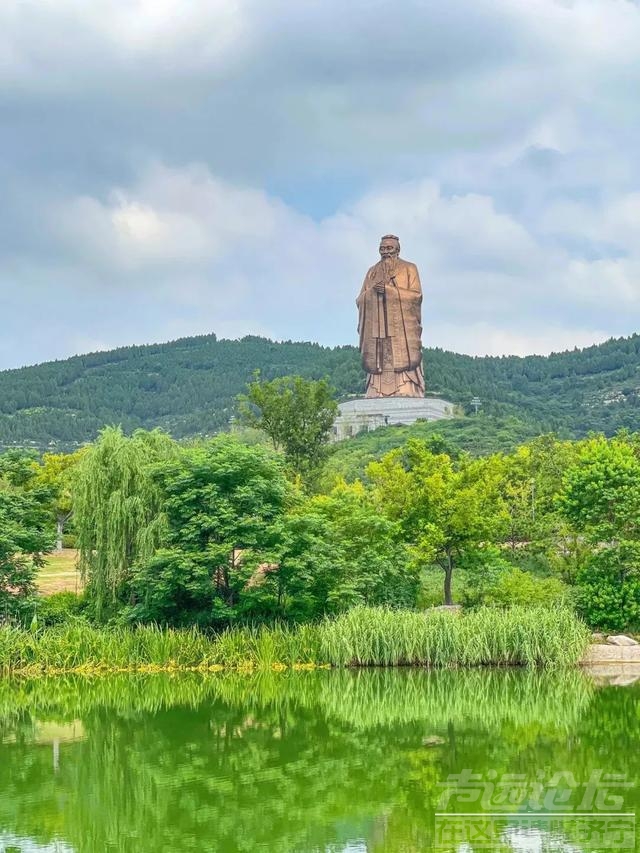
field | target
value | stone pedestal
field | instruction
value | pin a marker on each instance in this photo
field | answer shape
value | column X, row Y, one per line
column 366, row 414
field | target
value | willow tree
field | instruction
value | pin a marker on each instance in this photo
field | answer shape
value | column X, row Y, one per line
column 118, row 509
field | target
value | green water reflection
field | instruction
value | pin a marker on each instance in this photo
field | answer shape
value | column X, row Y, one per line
column 323, row 761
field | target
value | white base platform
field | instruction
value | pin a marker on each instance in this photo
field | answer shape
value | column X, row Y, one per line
column 369, row 413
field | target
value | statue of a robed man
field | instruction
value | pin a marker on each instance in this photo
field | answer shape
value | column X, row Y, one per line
column 390, row 327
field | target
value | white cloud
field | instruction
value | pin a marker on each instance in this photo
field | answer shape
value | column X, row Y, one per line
column 606, row 284
column 614, row 221
column 174, row 167
column 211, row 255
column 486, row 339
column 67, row 45
column 171, row 216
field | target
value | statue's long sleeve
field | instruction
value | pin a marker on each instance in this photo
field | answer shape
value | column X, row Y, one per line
column 414, row 279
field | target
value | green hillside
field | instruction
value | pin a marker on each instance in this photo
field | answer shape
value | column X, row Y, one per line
column 189, row 386
column 479, row 436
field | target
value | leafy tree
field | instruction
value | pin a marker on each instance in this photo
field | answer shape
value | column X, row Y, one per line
column 296, row 585
column 173, row 587
column 601, row 496
column 25, row 534
column 18, row 467
column 449, row 510
column 118, row 509
column 373, row 554
column 337, row 551
column 608, row 588
column 601, row 499
column 297, row 414
column 537, row 534
column 245, row 543
column 56, row 472
column 223, row 503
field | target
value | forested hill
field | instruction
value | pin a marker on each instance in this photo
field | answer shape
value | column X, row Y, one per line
column 189, row 386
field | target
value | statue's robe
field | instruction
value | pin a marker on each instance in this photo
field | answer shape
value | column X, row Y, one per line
column 390, row 330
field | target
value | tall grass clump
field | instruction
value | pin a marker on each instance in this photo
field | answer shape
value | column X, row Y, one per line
column 363, row 636
column 519, row 636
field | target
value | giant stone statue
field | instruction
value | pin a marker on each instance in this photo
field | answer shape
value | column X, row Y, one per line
column 390, row 329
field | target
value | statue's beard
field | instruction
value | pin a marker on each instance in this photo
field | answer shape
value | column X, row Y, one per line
column 389, row 265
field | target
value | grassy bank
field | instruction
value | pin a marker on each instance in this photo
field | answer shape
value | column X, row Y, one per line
column 362, row 637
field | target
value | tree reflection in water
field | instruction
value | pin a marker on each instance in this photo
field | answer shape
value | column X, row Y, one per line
column 300, row 762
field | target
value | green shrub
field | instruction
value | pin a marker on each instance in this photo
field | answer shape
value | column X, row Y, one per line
column 17, row 587
column 482, row 571
column 608, row 589
column 490, row 579
column 59, row 608
column 515, row 586
column 172, row 588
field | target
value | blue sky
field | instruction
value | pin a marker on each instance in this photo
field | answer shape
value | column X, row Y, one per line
column 173, row 168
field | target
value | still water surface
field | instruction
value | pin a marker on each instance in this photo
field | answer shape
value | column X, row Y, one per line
column 347, row 762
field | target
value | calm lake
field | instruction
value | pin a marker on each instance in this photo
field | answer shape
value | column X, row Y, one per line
column 321, row 761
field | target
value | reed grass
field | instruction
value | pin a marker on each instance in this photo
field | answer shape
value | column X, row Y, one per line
column 532, row 637
column 486, row 637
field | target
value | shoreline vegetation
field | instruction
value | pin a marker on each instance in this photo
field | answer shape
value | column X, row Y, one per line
column 533, row 637
column 224, row 554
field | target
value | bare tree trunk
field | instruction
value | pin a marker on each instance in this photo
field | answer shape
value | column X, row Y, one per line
column 448, row 572
column 61, row 520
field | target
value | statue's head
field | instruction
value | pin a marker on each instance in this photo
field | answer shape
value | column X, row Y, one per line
column 389, row 246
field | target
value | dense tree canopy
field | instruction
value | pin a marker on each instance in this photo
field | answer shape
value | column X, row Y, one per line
column 223, row 503
column 223, row 529
column 448, row 509
column 189, row 387
column 601, row 499
column 26, row 531
column 243, row 541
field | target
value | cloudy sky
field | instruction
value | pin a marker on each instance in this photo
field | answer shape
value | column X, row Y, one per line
column 177, row 167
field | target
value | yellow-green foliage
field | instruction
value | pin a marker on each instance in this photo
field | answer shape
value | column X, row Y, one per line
column 361, row 637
